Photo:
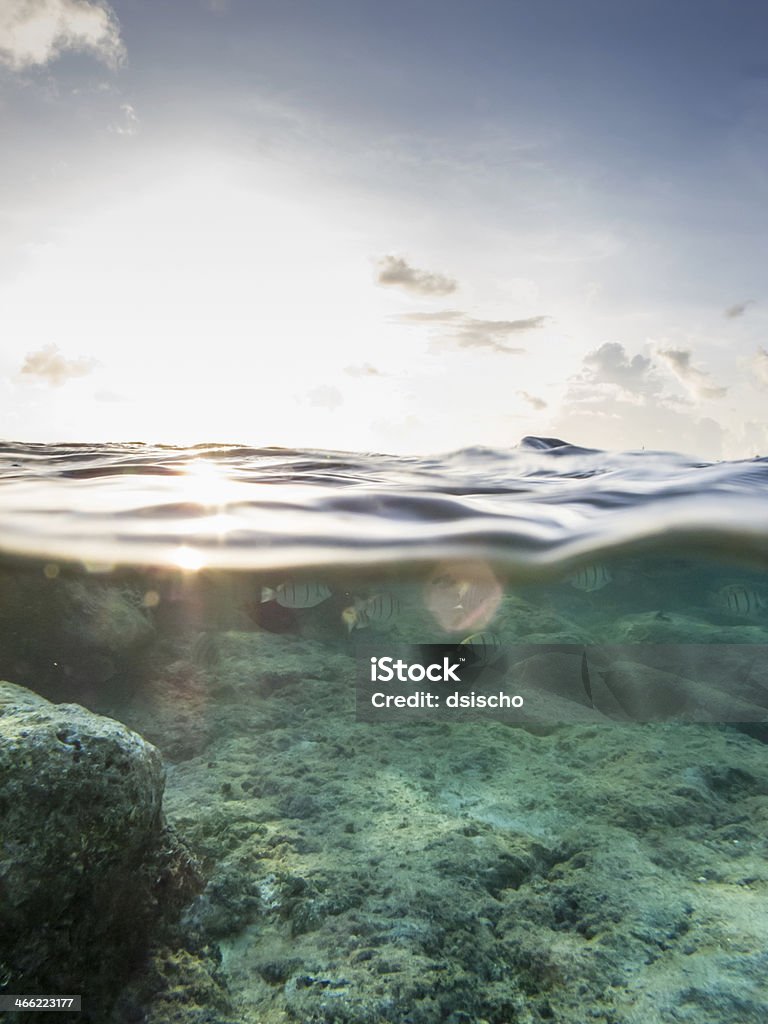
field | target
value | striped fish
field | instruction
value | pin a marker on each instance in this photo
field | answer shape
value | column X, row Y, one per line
column 591, row 578
column 471, row 594
column 377, row 610
column 484, row 648
column 463, row 596
column 296, row 595
column 740, row 601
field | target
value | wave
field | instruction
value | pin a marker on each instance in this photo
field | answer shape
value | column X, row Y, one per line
column 540, row 508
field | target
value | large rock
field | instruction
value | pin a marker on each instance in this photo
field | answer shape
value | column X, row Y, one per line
column 87, row 867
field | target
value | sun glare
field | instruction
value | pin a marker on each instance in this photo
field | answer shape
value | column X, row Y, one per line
column 185, row 557
column 205, row 483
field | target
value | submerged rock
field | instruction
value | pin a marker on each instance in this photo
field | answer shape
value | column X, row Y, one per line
column 75, row 640
column 105, row 617
column 88, row 869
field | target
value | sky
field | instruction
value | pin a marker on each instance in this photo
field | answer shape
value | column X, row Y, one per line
column 407, row 227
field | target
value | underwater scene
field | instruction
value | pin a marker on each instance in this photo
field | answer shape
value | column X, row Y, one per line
column 334, row 738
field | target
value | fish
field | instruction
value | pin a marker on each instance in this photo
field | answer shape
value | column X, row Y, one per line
column 586, row 682
column 463, row 596
column 296, row 595
column 470, row 595
column 611, row 685
column 271, row 616
column 740, row 600
column 379, row 609
column 485, row 648
column 591, row 578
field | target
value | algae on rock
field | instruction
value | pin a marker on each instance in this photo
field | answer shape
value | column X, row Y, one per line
column 88, row 868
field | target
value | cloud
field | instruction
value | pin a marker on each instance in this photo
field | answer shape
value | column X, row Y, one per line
column 128, row 124
column 394, row 270
column 622, row 397
column 739, row 309
column 532, row 400
column 441, row 316
column 50, row 365
column 464, row 331
column 363, row 370
column 760, row 365
column 325, row 396
column 491, row 333
column 35, row 32
column 611, row 365
column 608, row 372
column 698, row 382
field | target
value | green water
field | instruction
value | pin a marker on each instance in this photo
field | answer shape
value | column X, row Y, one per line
column 599, row 854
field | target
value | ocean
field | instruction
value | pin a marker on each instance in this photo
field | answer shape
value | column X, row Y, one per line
column 319, row 737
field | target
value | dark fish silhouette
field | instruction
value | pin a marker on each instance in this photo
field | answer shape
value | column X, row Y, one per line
column 272, row 616
column 482, row 648
column 609, row 680
column 586, row 682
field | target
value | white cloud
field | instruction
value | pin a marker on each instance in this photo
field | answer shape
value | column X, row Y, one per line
column 609, row 370
column 128, row 123
column 394, row 270
column 491, row 333
column 35, row 32
column 610, row 365
column 536, row 403
column 50, row 365
column 460, row 329
column 698, row 382
column 760, row 366
column 618, row 401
